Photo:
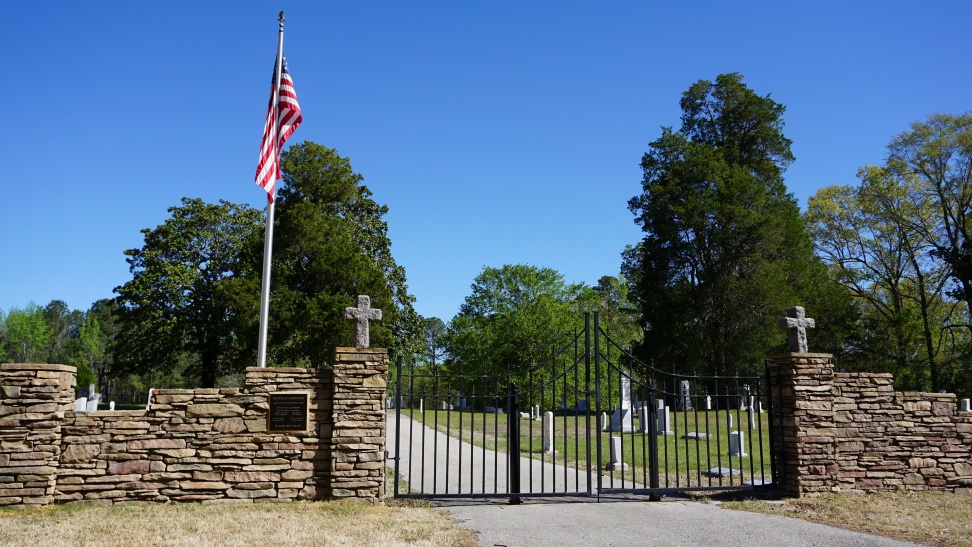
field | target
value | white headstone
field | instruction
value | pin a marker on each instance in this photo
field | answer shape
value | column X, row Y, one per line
column 761, row 407
column 148, row 405
column 664, row 426
column 536, row 412
column 643, row 418
column 81, row 404
column 91, row 391
column 686, row 398
column 621, row 420
column 752, row 417
column 965, row 406
column 111, row 405
column 548, row 433
column 625, row 392
column 445, row 405
column 730, row 420
column 93, row 402
column 605, row 421
column 737, row 444
column 422, row 405
column 752, row 402
column 708, row 402
column 616, row 462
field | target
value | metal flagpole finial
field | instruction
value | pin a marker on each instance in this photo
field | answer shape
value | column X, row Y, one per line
column 281, row 17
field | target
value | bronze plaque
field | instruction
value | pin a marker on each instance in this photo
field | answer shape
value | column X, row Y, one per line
column 288, row 412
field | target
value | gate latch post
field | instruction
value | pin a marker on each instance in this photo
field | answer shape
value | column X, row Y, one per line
column 513, row 442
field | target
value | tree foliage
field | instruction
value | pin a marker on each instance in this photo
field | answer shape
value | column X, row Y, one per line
column 935, row 160
column 725, row 251
column 181, row 301
column 899, row 242
column 331, row 245
column 516, row 315
column 434, row 331
column 618, row 312
column 27, row 336
column 867, row 234
column 62, row 322
column 191, row 309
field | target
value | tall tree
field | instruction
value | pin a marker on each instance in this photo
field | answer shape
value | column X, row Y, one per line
column 433, row 336
column 177, row 304
column 86, row 351
column 63, row 324
column 105, row 311
column 331, row 245
column 618, row 312
column 725, row 251
column 868, row 233
column 936, row 155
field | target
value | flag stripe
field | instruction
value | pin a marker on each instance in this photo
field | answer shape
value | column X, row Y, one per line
column 281, row 123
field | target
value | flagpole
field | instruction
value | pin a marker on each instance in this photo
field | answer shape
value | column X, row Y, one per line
column 268, row 239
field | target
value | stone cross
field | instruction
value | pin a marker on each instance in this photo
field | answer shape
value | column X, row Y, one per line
column 362, row 314
column 796, row 324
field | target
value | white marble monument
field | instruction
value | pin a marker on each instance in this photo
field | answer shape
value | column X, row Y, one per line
column 616, row 462
column 664, row 426
column 621, row 419
column 548, row 433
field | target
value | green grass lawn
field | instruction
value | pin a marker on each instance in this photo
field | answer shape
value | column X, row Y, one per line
column 681, row 460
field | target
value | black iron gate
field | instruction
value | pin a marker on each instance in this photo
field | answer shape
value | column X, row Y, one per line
column 587, row 419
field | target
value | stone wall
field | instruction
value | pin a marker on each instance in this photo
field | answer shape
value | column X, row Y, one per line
column 210, row 445
column 851, row 432
column 32, row 411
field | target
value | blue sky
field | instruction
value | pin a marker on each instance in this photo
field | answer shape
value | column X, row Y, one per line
column 498, row 132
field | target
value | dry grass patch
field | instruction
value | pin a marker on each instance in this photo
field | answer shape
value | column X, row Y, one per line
column 932, row 519
column 319, row 523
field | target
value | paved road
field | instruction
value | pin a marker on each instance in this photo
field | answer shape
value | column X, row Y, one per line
column 441, row 464
column 585, row 521
column 630, row 523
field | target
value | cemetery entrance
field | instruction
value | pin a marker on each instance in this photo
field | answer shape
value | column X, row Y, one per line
column 586, row 419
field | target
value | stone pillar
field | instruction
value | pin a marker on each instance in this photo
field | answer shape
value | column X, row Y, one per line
column 308, row 478
column 804, row 442
column 358, row 433
column 34, row 398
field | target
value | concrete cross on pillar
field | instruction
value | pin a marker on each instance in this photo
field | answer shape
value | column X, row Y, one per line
column 362, row 314
column 796, row 324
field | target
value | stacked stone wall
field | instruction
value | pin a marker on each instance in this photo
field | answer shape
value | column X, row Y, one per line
column 889, row 440
column 34, row 400
column 851, row 432
column 209, row 445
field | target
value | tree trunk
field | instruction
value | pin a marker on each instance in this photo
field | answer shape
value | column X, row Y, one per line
column 208, row 373
column 926, row 328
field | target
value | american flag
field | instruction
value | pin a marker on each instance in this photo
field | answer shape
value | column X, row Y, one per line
column 281, row 122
